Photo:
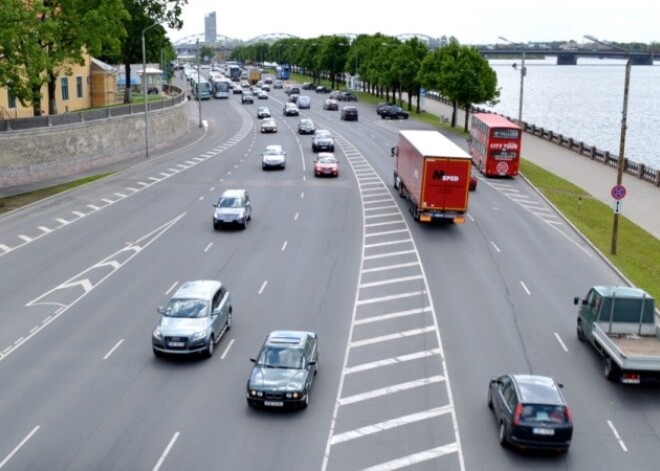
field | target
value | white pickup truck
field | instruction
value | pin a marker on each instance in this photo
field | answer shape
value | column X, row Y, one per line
column 621, row 324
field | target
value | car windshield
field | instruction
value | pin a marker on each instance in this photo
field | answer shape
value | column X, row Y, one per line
column 327, row 160
column 272, row 151
column 322, row 134
column 187, row 308
column 231, row 203
column 281, row 357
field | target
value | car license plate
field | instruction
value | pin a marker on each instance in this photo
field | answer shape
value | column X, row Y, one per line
column 176, row 344
column 543, row 431
column 274, row 403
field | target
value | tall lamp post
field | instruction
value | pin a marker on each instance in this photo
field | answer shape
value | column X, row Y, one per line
column 621, row 161
column 523, row 72
column 198, row 84
column 145, row 90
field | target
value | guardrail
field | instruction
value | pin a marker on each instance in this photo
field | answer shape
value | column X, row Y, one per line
column 631, row 167
column 22, row 124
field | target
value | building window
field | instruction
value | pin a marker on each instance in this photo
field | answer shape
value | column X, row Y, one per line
column 65, row 88
column 79, row 87
column 11, row 99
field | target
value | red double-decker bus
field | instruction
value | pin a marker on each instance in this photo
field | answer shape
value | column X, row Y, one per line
column 495, row 144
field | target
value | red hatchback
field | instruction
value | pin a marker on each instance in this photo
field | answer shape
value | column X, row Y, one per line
column 325, row 164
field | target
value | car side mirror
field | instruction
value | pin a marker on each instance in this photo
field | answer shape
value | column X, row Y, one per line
column 253, row 360
column 395, row 151
column 161, row 310
column 576, row 300
column 312, row 363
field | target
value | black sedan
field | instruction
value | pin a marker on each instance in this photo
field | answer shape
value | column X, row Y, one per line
column 322, row 89
column 284, row 370
column 531, row 412
column 393, row 112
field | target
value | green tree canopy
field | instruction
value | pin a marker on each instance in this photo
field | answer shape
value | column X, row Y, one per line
column 40, row 40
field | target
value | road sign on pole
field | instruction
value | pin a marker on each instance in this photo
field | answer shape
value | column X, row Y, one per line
column 618, row 192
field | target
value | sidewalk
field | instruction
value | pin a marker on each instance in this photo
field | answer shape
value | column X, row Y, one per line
column 641, row 204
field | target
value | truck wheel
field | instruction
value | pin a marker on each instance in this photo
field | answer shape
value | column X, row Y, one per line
column 610, row 369
column 580, row 332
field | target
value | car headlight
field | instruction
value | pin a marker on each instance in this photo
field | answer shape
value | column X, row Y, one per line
column 294, row 395
column 255, row 393
column 198, row 335
column 157, row 334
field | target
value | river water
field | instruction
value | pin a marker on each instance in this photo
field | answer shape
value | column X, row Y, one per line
column 585, row 102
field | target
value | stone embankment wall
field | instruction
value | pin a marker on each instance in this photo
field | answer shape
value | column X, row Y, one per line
column 39, row 154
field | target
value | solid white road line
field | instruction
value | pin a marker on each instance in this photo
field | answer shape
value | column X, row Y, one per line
column 224, row 354
column 391, row 361
column 561, row 342
column 389, row 424
column 390, row 390
column 415, row 458
column 522, row 283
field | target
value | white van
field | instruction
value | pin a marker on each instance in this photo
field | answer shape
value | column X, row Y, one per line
column 304, row 102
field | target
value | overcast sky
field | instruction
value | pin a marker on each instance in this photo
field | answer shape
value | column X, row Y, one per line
column 471, row 22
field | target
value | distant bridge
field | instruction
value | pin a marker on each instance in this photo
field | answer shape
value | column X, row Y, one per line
column 570, row 57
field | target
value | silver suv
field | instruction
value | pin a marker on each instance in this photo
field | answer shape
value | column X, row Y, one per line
column 233, row 207
column 194, row 320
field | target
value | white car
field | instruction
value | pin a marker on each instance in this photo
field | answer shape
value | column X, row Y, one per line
column 273, row 157
column 268, row 125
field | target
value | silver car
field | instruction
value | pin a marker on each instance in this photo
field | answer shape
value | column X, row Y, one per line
column 233, row 207
column 273, row 157
column 194, row 320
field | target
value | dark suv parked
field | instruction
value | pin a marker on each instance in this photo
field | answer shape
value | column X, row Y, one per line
column 393, row 112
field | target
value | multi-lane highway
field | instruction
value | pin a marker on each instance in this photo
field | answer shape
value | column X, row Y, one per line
column 413, row 320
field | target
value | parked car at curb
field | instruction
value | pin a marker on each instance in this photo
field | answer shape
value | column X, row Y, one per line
column 284, row 370
column 194, row 320
column 380, row 106
column 393, row 112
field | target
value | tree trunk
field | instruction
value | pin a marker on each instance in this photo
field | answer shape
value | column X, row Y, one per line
column 127, row 90
column 454, row 113
column 36, row 101
column 52, row 91
column 467, row 118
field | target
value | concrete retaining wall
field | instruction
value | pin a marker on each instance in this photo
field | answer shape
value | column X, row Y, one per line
column 39, row 154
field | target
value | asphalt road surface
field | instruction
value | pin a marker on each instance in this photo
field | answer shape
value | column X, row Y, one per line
column 413, row 320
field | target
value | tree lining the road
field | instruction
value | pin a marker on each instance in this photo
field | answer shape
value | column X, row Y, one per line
column 386, row 65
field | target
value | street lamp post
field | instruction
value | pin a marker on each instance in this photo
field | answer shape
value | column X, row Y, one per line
column 198, row 84
column 523, row 72
column 621, row 161
column 145, row 91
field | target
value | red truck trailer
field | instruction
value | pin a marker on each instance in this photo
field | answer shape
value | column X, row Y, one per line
column 433, row 174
